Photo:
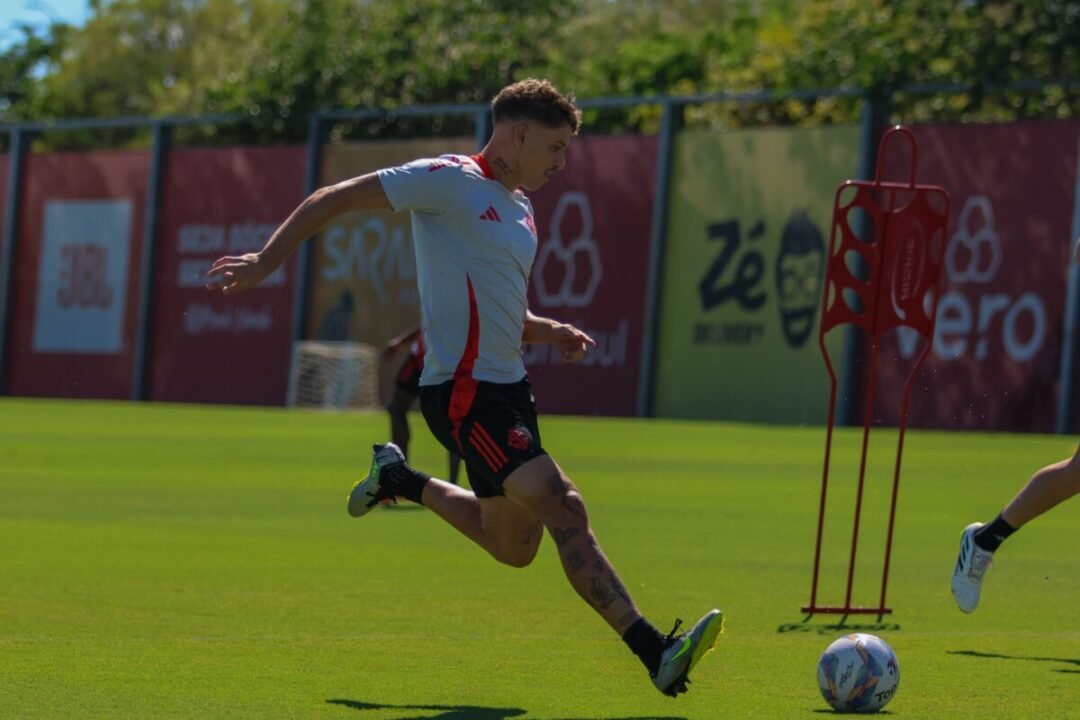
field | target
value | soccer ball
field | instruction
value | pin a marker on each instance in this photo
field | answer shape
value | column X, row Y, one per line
column 858, row 673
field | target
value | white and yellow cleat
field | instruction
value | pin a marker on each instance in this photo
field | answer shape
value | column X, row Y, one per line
column 684, row 651
column 381, row 481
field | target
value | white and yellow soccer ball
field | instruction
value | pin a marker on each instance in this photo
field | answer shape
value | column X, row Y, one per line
column 858, row 673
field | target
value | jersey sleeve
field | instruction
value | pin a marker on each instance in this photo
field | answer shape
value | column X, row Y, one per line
column 429, row 185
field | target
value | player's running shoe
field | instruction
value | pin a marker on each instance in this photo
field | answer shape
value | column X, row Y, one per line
column 387, row 463
column 971, row 565
column 683, row 652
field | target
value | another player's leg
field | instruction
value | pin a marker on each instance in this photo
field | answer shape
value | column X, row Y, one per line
column 543, row 489
column 1045, row 490
column 398, row 410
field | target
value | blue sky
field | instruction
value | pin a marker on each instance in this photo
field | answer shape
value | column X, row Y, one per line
column 38, row 13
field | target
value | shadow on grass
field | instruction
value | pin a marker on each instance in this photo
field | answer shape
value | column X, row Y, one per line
column 468, row 712
column 830, row 711
column 999, row 656
column 842, row 627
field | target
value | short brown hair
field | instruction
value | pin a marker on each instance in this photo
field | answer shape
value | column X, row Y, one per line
column 533, row 99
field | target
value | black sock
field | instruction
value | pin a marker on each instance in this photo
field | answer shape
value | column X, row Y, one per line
column 410, row 483
column 646, row 642
column 989, row 537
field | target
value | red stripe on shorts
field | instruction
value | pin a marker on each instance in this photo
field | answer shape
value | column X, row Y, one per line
column 493, row 454
column 464, row 392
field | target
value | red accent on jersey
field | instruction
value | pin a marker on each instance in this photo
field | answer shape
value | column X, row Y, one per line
column 484, row 167
column 464, row 393
column 529, row 223
column 490, row 214
column 444, row 162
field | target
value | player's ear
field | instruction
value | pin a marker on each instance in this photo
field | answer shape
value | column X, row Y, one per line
column 520, row 132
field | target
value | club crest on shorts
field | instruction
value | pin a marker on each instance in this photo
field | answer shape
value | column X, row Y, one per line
column 518, row 438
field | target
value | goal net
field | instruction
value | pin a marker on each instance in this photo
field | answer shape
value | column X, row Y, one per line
column 334, row 375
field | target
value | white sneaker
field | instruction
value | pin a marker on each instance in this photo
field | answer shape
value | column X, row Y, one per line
column 971, row 565
column 683, row 652
column 381, row 481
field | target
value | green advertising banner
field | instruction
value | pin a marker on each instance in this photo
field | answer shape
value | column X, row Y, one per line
column 748, row 231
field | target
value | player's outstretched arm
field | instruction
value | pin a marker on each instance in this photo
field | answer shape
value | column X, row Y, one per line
column 572, row 343
column 241, row 272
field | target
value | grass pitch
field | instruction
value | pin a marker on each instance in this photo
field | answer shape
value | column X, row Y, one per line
column 178, row 562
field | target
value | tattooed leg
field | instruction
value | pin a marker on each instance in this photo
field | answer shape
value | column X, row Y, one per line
column 557, row 503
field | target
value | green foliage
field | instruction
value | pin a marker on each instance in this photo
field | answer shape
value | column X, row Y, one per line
column 21, row 67
column 270, row 63
column 343, row 54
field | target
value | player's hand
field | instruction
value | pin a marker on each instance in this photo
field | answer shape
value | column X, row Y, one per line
column 571, row 342
column 239, row 272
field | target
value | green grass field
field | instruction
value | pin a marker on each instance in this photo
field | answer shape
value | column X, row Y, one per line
column 178, row 562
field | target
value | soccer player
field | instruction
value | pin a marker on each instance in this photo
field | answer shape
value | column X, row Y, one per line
column 475, row 241
column 406, row 390
column 1045, row 490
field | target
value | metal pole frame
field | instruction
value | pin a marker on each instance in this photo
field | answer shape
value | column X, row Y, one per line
column 20, row 142
column 671, row 121
column 144, row 318
column 1066, row 413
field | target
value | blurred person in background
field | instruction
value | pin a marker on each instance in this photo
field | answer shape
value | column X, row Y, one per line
column 406, row 390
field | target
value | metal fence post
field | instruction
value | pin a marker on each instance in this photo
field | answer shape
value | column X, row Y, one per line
column 316, row 137
column 671, row 121
column 20, row 141
column 483, row 128
column 1066, row 414
column 144, row 317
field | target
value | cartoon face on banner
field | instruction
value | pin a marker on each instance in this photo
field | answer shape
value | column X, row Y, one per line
column 799, row 266
column 736, row 279
column 744, row 273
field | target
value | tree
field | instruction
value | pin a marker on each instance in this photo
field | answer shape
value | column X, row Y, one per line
column 147, row 58
column 22, row 65
column 386, row 54
column 272, row 63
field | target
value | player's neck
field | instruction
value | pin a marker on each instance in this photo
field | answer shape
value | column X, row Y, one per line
column 499, row 167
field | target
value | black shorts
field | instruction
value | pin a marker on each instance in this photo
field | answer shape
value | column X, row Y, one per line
column 408, row 377
column 491, row 425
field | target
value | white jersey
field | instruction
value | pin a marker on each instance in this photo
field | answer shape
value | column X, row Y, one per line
column 475, row 243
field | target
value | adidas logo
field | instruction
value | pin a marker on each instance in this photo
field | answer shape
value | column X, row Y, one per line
column 490, row 214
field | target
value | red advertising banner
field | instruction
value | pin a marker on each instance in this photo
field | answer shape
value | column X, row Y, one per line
column 75, row 282
column 206, row 347
column 591, row 266
column 993, row 363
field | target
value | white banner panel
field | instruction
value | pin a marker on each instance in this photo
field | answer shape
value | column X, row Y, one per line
column 82, row 276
